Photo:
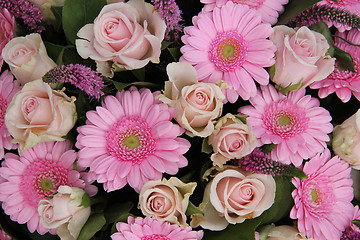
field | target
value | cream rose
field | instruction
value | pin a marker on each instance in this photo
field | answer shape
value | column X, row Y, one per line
column 346, row 140
column 233, row 196
column 300, row 56
column 39, row 114
column 196, row 104
column 27, row 58
column 285, row 232
column 64, row 212
column 123, row 36
column 166, row 200
column 231, row 139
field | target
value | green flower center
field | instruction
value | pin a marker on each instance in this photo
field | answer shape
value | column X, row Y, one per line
column 228, row 51
column 314, row 195
column 46, row 184
column 132, row 142
column 284, row 121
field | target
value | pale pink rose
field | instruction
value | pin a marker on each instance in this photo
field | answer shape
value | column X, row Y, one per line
column 231, row 139
column 166, row 200
column 27, row 58
column 39, row 114
column 196, row 104
column 301, row 56
column 123, row 36
column 285, row 232
column 7, row 29
column 346, row 140
column 64, row 212
column 233, row 196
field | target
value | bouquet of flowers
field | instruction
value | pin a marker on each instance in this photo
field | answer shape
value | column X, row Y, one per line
column 180, row 120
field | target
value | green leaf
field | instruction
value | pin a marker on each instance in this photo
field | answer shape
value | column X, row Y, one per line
column 121, row 86
column 192, row 209
column 267, row 148
column 139, row 74
column 322, row 28
column 344, row 60
column 242, row 118
column 296, row 172
column 206, row 147
column 294, row 8
column 175, row 53
column 243, row 231
column 283, row 201
column 291, row 87
column 77, row 13
column 356, row 222
column 117, row 210
column 92, row 226
column 85, row 201
column 165, row 44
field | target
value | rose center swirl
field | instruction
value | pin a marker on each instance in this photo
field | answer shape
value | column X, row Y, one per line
column 228, row 51
column 130, row 139
column 42, row 178
column 285, row 119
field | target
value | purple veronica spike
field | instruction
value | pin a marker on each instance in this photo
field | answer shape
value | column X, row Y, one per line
column 80, row 76
column 30, row 14
column 171, row 14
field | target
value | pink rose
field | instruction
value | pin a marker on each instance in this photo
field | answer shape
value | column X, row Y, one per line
column 195, row 104
column 233, row 196
column 27, row 58
column 123, row 36
column 300, row 57
column 346, row 140
column 231, row 139
column 64, row 212
column 39, row 114
column 7, row 29
column 166, row 200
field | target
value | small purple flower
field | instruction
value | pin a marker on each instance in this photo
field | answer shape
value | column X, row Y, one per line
column 259, row 162
column 30, row 14
column 78, row 75
column 171, row 14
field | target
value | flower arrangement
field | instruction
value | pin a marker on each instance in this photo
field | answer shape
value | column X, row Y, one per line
column 179, row 120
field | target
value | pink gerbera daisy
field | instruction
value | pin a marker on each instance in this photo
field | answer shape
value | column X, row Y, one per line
column 323, row 200
column 152, row 229
column 8, row 87
column 230, row 44
column 131, row 139
column 269, row 10
column 295, row 123
column 343, row 82
column 34, row 175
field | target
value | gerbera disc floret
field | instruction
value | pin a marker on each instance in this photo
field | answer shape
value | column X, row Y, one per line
column 34, row 175
column 131, row 139
column 295, row 123
column 230, row 43
column 323, row 200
